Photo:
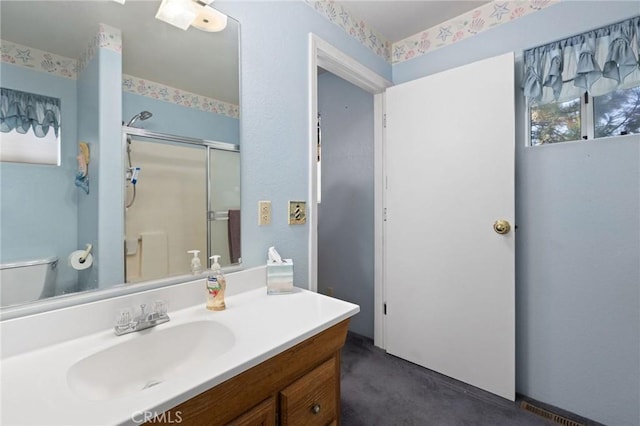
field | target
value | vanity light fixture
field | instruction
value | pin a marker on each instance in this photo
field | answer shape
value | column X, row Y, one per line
column 184, row 13
column 179, row 13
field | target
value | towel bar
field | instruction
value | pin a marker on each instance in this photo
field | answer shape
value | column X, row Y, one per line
column 217, row 215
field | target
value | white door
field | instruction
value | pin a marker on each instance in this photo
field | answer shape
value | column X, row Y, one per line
column 450, row 175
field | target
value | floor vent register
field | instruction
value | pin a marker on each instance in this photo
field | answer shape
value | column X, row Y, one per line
column 558, row 419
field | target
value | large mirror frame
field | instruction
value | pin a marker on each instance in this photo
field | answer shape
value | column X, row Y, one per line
column 154, row 57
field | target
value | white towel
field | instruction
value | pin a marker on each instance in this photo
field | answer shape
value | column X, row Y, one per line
column 154, row 258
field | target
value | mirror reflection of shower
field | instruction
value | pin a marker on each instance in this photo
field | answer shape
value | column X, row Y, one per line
column 190, row 200
column 132, row 172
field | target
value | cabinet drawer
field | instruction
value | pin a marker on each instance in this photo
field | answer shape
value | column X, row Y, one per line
column 312, row 399
column 264, row 414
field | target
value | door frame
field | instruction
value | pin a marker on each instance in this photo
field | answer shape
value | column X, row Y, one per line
column 323, row 54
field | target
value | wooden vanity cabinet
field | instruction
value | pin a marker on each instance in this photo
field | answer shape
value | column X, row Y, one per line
column 299, row 387
column 311, row 400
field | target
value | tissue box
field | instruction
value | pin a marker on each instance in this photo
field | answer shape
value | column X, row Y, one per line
column 280, row 277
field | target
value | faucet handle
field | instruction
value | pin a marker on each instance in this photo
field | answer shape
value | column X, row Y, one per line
column 160, row 307
column 124, row 317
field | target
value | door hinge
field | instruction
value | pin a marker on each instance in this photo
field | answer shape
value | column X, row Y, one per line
column 384, row 121
column 586, row 97
column 384, row 214
column 384, row 308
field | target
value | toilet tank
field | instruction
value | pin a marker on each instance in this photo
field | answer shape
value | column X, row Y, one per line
column 26, row 281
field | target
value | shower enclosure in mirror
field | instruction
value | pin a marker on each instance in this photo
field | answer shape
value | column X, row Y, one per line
column 107, row 63
column 181, row 194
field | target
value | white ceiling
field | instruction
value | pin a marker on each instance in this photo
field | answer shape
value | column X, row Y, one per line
column 397, row 20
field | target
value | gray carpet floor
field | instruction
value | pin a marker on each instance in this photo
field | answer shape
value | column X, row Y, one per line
column 379, row 390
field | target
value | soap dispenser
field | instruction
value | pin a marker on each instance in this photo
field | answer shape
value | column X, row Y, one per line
column 216, row 284
column 196, row 266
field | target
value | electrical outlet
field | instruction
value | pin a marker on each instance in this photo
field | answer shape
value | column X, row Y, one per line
column 264, row 212
column 297, row 212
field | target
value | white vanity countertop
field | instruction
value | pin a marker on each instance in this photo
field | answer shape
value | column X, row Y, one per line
column 34, row 384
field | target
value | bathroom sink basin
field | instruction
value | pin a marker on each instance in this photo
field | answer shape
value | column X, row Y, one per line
column 148, row 359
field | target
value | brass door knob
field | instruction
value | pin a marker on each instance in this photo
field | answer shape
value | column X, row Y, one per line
column 502, row 227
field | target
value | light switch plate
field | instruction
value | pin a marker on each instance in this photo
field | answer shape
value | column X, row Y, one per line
column 297, row 212
column 264, row 212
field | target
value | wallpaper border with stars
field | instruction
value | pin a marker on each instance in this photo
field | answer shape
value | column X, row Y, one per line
column 356, row 28
column 480, row 19
column 13, row 53
column 110, row 38
column 38, row 60
column 161, row 92
column 464, row 26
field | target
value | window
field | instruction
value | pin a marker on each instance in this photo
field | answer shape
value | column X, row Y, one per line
column 30, row 126
column 555, row 122
column 617, row 113
column 28, row 148
column 613, row 114
column 586, row 86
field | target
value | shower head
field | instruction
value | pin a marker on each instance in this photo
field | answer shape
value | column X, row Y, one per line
column 140, row 116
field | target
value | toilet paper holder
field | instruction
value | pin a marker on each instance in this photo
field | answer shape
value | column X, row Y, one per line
column 86, row 253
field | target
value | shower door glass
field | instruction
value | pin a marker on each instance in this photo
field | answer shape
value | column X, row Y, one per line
column 224, row 205
column 167, row 216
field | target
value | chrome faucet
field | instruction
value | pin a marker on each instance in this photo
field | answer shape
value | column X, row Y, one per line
column 125, row 325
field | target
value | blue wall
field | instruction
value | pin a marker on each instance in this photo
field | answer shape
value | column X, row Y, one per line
column 175, row 119
column 39, row 202
column 346, row 213
column 100, row 215
column 578, row 241
column 275, row 119
column 88, row 204
column 111, row 194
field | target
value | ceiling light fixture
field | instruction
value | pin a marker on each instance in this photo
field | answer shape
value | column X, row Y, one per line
column 184, row 13
column 210, row 20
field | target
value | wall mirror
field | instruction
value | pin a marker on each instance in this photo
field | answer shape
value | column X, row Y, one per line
column 133, row 86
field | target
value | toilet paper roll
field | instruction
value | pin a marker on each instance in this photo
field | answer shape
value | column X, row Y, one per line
column 74, row 260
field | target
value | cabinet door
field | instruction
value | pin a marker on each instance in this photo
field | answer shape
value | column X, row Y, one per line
column 312, row 399
column 263, row 414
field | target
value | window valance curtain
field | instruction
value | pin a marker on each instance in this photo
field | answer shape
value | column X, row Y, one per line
column 21, row 111
column 598, row 62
